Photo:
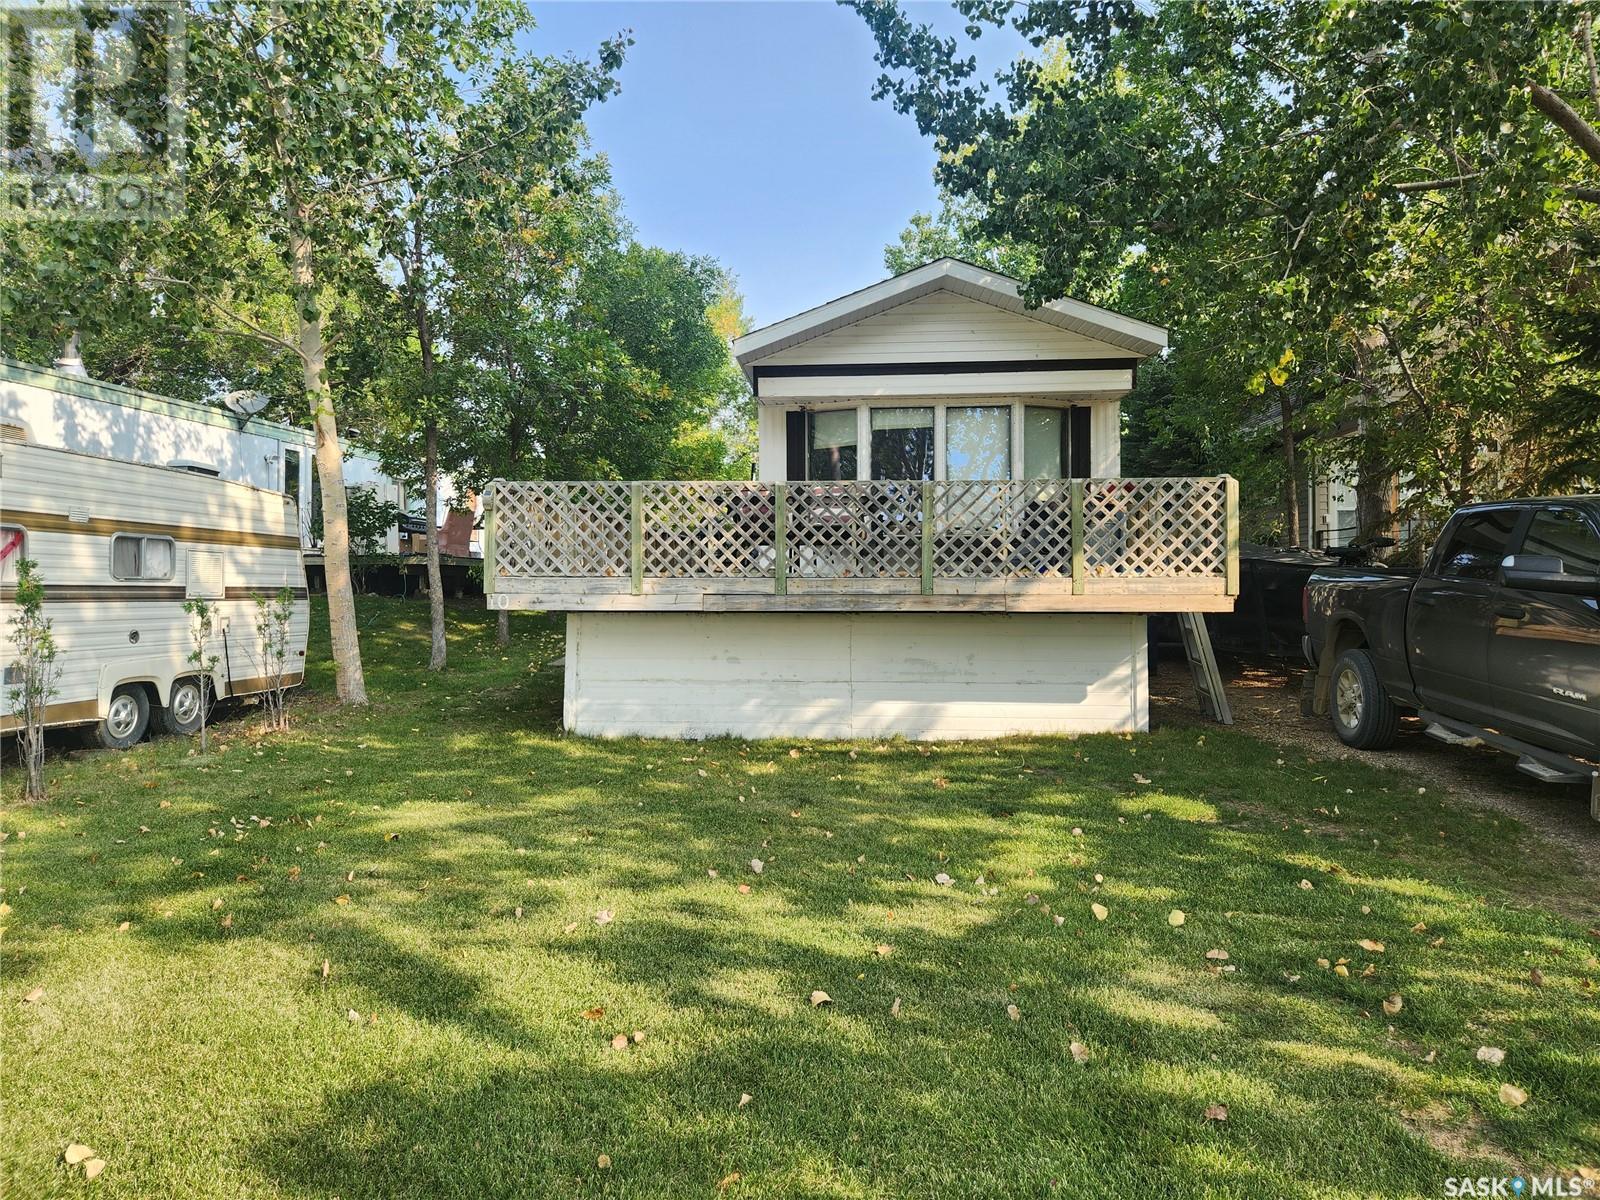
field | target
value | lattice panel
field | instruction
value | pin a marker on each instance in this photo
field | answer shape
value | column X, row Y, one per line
column 855, row 530
column 570, row 530
column 1003, row 530
column 1168, row 528
column 708, row 530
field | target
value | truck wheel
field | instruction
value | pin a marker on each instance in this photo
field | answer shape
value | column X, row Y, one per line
column 1363, row 715
column 181, row 717
column 126, row 719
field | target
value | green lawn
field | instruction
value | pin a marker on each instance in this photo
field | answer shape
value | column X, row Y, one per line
column 201, row 1053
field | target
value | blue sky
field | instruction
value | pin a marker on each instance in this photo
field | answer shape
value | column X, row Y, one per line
column 747, row 131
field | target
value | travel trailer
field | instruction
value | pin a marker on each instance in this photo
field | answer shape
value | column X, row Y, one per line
column 120, row 547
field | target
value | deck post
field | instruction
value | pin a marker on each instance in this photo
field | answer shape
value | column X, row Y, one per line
column 1077, row 537
column 780, row 539
column 636, row 535
column 1231, row 494
column 927, row 536
column 489, row 506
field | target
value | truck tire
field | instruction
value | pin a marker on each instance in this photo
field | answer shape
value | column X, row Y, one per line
column 1363, row 715
column 127, row 717
column 181, row 716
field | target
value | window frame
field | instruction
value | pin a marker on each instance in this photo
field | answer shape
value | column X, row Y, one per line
column 172, row 569
column 8, row 564
column 1519, row 524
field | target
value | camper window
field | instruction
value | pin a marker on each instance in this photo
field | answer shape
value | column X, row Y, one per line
column 134, row 557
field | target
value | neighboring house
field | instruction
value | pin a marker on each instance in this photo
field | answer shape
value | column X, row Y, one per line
column 52, row 407
column 938, row 544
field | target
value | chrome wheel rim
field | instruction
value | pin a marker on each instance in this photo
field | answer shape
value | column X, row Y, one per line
column 123, row 717
column 1348, row 698
column 186, row 703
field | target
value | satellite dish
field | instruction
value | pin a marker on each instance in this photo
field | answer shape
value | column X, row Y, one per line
column 247, row 402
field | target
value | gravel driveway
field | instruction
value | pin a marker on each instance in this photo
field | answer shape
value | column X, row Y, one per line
column 1266, row 702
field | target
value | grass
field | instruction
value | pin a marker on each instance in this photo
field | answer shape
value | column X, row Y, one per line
column 201, row 1053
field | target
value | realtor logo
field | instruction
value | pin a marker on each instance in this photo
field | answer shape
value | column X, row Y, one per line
column 91, row 109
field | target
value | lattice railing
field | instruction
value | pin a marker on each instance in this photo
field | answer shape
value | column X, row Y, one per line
column 647, row 536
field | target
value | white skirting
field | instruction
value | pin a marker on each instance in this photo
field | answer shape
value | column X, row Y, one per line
column 843, row 675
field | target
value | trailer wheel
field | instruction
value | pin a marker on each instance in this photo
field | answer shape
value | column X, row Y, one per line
column 181, row 716
column 1363, row 715
column 127, row 717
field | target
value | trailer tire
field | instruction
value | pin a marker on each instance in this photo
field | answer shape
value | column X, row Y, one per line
column 127, row 718
column 1362, row 714
column 180, row 717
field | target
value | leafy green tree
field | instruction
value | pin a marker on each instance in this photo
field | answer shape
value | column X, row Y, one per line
column 36, row 674
column 1320, row 197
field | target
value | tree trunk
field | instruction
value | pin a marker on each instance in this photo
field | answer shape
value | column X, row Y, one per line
column 349, row 682
column 430, row 472
column 502, row 630
column 1291, row 473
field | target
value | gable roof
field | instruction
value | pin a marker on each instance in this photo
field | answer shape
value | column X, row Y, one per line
column 964, row 279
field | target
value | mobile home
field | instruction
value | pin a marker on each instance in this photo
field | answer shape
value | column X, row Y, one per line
column 120, row 547
column 940, row 543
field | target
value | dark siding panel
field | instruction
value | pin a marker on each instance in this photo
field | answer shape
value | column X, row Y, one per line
column 1080, row 442
column 795, row 431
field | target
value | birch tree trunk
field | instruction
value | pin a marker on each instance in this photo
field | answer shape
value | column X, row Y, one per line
column 430, row 471
column 349, row 682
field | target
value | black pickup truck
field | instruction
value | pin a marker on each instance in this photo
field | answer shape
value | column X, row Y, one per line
column 1495, row 640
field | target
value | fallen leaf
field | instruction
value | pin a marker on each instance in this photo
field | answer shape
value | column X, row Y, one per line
column 619, row 1042
column 943, row 880
column 1305, row 885
column 757, row 865
column 123, row 928
column 744, row 1098
column 733, row 1177
column 1512, row 1096
column 1216, row 1112
column 75, row 1153
column 594, row 1014
column 1100, row 911
column 326, row 969
column 1176, row 917
column 1536, row 977
column 744, row 889
column 341, row 899
column 92, row 1168
column 352, row 1015
column 1013, row 1012
column 217, row 903
column 1080, row 1052
column 1059, row 919
column 1430, row 1056
column 1138, row 778
column 603, row 1162
column 570, row 928
column 820, row 997
column 1342, row 971
column 1217, row 955
column 1419, row 927
column 1370, row 945
column 1393, row 1004
column 882, row 949
column 517, row 912
column 1323, row 963
column 603, row 917
column 1492, row 1055
column 638, row 1036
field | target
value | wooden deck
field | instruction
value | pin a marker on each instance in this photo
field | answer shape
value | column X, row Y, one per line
column 1084, row 545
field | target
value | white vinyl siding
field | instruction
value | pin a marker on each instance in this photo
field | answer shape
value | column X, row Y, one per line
column 924, row 676
column 944, row 327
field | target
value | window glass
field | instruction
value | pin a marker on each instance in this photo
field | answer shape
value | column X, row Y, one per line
column 134, row 557
column 1043, row 436
column 13, row 545
column 291, row 474
column 1478, row 544
column 1564, row 534
column 977, row 442
column 902, row 443
column 833, row 445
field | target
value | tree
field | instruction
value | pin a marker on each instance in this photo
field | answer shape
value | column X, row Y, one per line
column 1284, row 184
column 202, row 656
column 35, row 676
column 273, row 617
column 465, row 176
